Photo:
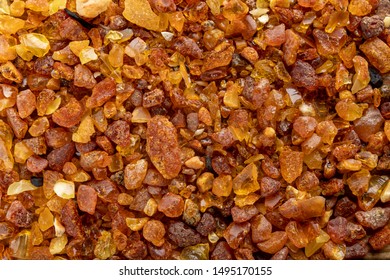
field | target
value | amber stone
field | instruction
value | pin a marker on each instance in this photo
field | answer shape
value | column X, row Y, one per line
column 380, row 239
column 378, row 53
column 354, row 232
column 71, row 219
column 246, row 181
column 261, row 229
column 86, row 199
column 333, row 186
column 375, row 218
column 135, row 174
column 119, row 133
column 291, row 165
column 26, row 103
column 243, row 214
column 275, row 36
column 36, row 164
column 101, row 93
column 182, row 235
column 172, row 205
column 69, row 115
column 222, row 251
column 334, row 251
column 162, row 146
column 187, row 47
column 337, row 229
column 19, row 215
column 329, row 44
column 275, row 243
column 17, row 124
column 58, row 157
column 369, row 124
column 206, row 225
column 83, row 77
column 235, row 233
column 57, row 137
column 221, row 186
column 269, row 186
column 154, row 231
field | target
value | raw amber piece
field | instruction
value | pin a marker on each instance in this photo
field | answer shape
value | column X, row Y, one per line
column 334, row 251
column 172, row 205
column 86, row 199
column 17, row 124
column 101, row 93
column 162, row 146
column 64, row 189
column 45, row 220
column 21, row 245
column 378, row 53
column 57, row 245
column 83, row 77
column 290, row 47
column 154, row 231
column 359, row 7
column 275, row 36
column 375, row 218
column 349, row 110
column 261, row 229
column 234, row 9
column 140, row 13
column 369, row 124
column 20, row 186
column 135, row 174
column 303, row 75
column 235, row 233
column 196, row 252
column 329, row 44
column 246, row 181
column 69, row 115
column 291, row 164
column 362, row 76
column 222, row 185
column 105, row 247
column 91, row 8
column 10, row 25
column 19, row 215
column 35, row 43
column 39, row 127
column 316, row 244
column 217, row 59
column 275, row 243
column 26, row 103
column 84, row 131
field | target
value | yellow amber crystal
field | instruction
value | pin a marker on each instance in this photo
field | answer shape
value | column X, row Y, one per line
column 57, row 245
column 140, row 13
column 105, row 247
column 136, row 224
column 10, row 25
column 35, row 43
column 246, row 181
column 77, row 46
column 84, row 131
column 45, row 220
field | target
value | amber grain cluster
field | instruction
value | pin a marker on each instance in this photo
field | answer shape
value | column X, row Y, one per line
column 191, row 129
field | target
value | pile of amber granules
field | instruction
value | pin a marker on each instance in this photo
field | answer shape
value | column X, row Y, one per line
column 191, row 129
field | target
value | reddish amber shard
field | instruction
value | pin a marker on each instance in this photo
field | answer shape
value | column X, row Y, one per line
column 194, row 129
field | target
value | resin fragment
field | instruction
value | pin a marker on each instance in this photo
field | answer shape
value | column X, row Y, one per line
column 291, row 163
column 162, row 146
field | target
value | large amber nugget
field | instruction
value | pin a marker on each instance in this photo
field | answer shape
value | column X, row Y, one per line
column 162, row 146
column 378, row 54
